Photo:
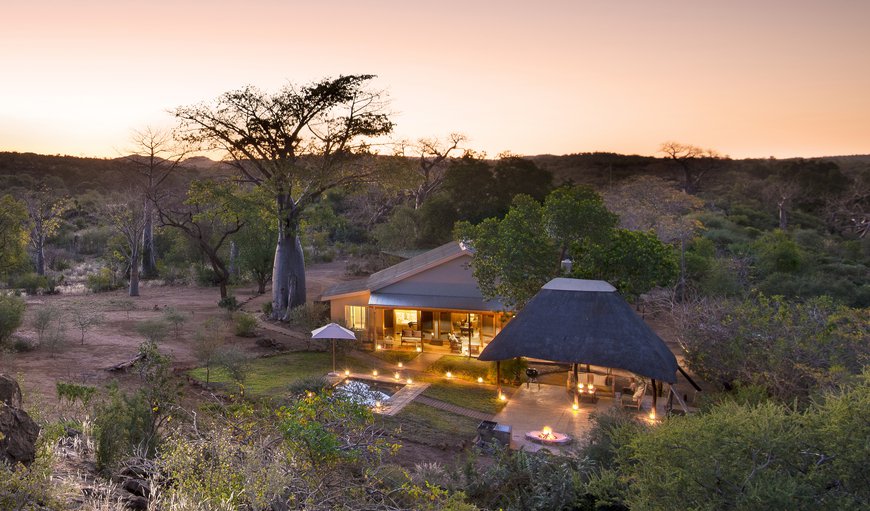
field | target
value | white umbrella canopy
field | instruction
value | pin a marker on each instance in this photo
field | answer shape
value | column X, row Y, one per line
column 332, row 331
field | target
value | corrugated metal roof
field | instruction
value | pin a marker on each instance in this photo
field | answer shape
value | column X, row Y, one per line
column 434, row 302
column 399, row 271
column 574, row 324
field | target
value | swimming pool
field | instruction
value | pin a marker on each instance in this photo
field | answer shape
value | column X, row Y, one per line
column 367, row 392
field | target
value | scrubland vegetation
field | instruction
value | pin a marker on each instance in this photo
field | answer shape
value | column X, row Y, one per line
column 759, row 267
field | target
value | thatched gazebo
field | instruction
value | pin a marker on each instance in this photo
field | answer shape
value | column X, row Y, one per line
column 584, row 322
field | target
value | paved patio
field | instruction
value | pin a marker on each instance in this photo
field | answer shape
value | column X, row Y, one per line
column 532, row 408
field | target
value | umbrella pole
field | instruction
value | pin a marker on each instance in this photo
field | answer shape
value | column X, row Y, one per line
column 655, row 395
column 333, row 355
column 576, row 383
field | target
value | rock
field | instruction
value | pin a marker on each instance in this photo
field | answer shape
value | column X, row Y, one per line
column 136, row 471
column 19, row 436
column 10, row 392
column 138, row 487
column 136, row 503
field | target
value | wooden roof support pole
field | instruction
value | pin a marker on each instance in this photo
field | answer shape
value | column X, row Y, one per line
column 498, row 377
column 576, row 386
column 655, row 397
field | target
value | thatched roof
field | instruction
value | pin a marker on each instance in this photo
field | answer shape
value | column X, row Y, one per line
column 584, row 321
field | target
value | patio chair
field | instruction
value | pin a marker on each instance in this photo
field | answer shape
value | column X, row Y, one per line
column 634, row 400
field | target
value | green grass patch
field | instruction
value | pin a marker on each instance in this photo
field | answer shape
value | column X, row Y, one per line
column 430, row 426
column 465, row 368
column 394, row 357
column 467, row 395
column 270, row 376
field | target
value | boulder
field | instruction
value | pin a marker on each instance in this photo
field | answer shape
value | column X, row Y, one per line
column 10, row 392
column 19, row 434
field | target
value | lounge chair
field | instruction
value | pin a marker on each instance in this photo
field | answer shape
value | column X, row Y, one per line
column 634, row 400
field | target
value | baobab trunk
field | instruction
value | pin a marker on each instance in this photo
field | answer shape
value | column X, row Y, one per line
column 288, row 270
column 134, row 274
column 39, row 248
column 149, row 256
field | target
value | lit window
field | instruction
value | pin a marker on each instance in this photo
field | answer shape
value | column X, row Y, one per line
column 355, row 317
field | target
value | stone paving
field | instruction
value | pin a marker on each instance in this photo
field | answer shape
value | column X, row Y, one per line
column 532, row 408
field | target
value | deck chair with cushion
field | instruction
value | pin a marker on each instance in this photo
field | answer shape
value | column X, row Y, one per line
column 634, row 400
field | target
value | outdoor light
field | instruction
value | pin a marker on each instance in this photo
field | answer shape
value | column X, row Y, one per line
column 400, row 365
column 380, row 347
column 374, row 372
column 652, row 414
column 377, row 404
column 310, row 394
column 449, row 374
column 410, row 381
column 502, row 397
column 347, row 372
column 419, row 349
column 480, row 379
column 575, row 407
column 580, row 388
column 589, row 387
column 397, row 375
column 546, row 432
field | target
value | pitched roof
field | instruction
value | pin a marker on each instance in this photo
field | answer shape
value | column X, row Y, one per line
column 584, row 321
column 400, row 271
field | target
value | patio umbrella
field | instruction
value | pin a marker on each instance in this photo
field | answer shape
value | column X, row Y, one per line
column 332, row 331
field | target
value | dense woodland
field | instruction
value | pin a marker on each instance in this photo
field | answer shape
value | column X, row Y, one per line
column 761, row 266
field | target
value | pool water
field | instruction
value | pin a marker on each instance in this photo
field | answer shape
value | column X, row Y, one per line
column 367, row 392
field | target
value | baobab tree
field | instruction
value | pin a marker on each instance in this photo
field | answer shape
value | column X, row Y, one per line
column 126, row 215
column 154, row 155
column 45, row 208
column 693, row 161
column 298, row 143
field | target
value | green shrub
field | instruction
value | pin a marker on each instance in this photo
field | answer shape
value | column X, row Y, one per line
column 121, row 426
column 11, row 315
column 31, row 283
column 267, row 308
column 229, row 303
column 309, row 316
column 101, row 281
column 308, row 384
column 245, row 325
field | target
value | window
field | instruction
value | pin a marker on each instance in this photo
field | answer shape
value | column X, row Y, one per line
column 355, row 317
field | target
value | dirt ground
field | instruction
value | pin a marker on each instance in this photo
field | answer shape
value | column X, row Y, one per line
column 115, row 339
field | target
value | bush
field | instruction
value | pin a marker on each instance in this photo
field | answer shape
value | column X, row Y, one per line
column 121, row 425
column 309, row 384
column 245, row 324
column 229, row 303
column 31, row 283
column 267, row 308
column 309, row 316
column 101, row 281
column 11, row 315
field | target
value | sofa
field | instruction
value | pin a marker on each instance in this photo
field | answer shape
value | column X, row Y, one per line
column 411, row 336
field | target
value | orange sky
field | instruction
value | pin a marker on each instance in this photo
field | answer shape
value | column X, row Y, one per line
column 748, row 78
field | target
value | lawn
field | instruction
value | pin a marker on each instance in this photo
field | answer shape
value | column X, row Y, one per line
column 429, row 426
column 270, row 376
column 394, row 357
column 466, row 368
column 475, row 396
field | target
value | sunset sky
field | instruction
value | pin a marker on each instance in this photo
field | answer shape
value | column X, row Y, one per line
column 749, row 78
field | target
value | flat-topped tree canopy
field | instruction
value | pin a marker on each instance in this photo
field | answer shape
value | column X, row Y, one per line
column 584, row 321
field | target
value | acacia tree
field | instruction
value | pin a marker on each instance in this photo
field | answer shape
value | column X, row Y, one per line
column 154, row 156
column 209, row 214
column 127, row 217
column 45, row 208
column 298, row 143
